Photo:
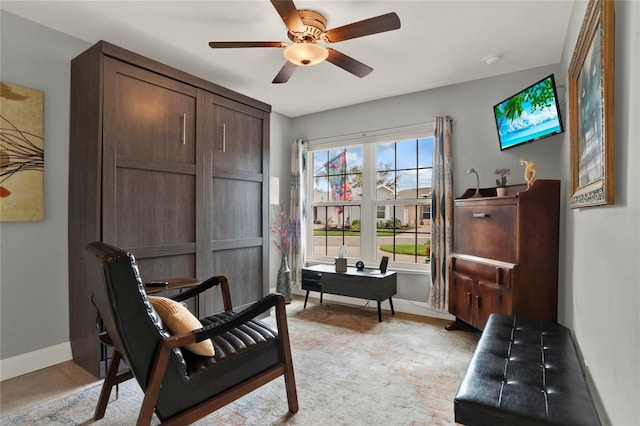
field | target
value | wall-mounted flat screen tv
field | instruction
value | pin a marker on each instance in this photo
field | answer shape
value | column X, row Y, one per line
column 529, row 115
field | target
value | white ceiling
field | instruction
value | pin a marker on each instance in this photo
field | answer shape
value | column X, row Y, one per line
column 440, row 42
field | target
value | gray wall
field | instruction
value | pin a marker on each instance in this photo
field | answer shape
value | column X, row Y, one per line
column 601, row 256
column 34, row 297
column 280, row 167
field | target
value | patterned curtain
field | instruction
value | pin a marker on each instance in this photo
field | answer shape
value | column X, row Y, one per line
column 441, row 213
column 297, row 209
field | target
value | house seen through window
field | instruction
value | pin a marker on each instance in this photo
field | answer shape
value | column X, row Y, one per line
column 375, row 199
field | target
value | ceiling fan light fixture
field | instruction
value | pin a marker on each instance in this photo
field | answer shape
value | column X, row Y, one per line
column 305, row 54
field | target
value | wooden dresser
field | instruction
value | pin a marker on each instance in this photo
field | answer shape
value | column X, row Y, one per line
column 505, row 254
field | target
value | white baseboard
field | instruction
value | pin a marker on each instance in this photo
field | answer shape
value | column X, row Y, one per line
column 36, row 360
column 399, row 305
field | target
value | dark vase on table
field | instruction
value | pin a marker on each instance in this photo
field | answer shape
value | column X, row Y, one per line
column 283, row 285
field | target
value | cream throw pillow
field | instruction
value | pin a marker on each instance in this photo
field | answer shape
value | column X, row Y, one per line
column 179, row 320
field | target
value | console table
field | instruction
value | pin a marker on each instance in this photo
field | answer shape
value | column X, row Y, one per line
column 368, row 284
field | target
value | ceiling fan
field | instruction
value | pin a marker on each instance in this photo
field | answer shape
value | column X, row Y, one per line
column 306, row 29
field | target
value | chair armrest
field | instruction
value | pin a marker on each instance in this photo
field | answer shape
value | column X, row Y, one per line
column 249, row 313
column 262, row 305
column 194, row 291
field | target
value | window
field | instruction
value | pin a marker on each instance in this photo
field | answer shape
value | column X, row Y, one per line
column 337, row 184
column 373, row 197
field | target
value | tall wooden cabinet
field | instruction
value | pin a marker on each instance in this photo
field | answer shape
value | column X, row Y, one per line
column 505, row 254
column 170, row 167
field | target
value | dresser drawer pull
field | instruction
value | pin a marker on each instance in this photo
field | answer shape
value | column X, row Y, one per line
column 480, row 215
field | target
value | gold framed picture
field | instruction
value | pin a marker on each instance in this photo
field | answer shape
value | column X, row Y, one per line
column 591, row 90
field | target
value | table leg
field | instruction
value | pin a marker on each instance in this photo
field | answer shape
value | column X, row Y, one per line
column 305, row 300
column 391, row 304
column 379, row 312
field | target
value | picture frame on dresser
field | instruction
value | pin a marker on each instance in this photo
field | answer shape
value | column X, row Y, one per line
column 591, row 108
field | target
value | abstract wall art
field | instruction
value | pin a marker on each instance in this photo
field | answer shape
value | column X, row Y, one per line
column 21, row 154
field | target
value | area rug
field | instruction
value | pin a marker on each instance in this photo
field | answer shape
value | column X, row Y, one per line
column 350, row 370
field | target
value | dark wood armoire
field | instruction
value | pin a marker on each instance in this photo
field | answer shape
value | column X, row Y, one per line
column 172, row 168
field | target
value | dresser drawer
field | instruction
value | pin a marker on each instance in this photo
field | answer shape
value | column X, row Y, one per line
column 311, row 280
column 486, row 231
column 496, row 273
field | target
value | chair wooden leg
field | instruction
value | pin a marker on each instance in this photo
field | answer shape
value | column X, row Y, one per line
column 112, row 379
column 289, row 377
column 292, row 393
column 109, row 382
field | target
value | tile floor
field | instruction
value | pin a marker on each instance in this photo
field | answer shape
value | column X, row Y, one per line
column 30, row 389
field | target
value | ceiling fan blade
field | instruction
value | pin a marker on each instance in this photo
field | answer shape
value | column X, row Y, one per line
column 233, row 44
column 289, row 14
column 347, row 63
column 378, row 24
column 285, row 73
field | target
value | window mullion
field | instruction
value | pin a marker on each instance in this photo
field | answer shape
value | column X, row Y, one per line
column 368, row 210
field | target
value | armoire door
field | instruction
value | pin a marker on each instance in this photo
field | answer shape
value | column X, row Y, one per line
column 235, row 150
column 150, row 158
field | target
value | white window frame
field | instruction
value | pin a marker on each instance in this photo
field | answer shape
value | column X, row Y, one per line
column 368, row 204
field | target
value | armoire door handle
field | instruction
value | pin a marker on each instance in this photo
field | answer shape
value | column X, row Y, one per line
column 224, row 138
column 184, row 129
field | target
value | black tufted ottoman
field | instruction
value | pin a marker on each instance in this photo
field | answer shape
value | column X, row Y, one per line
column 524, row 372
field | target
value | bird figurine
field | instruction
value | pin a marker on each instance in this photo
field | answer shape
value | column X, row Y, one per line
column 529, row 171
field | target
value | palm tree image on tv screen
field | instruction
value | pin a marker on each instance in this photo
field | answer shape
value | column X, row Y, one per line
column 528, row 115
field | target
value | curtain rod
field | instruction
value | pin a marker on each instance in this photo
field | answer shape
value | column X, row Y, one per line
column 370, row 133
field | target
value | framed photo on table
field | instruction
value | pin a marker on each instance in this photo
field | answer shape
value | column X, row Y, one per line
column 591, row 90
